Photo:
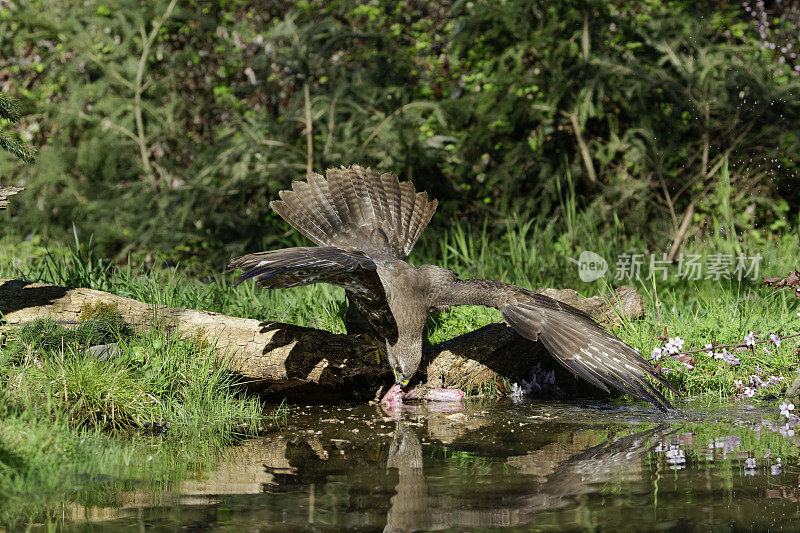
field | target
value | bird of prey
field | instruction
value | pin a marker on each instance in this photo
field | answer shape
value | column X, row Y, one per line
column 364, row 225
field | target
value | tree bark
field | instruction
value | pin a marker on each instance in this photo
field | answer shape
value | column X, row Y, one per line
column 297, row 363
column 6, row 193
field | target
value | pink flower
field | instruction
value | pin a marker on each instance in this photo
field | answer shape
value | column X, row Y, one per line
column 710, row 348
column 773, row 380
column 656, row 355
column 729, row 358
column 750, row 339
column 749, row 392
column 787, row 408
column 737, row 383
column 775, row 340
column 674, row 345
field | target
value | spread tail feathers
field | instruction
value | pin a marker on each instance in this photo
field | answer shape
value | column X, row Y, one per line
column 356, row 208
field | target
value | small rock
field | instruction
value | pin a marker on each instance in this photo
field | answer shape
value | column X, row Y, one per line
column 103, row 352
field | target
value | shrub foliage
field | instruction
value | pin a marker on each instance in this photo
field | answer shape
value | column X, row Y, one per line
column 174, row 122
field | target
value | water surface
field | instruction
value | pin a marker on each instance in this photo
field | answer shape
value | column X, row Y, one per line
column 491, row 466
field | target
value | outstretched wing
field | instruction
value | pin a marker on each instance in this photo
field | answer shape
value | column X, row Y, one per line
column 354, row 271
column 569, row 334
column 293, row 267
column 359, row 209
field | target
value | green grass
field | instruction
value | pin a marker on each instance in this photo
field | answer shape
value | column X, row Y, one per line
column 153, row 379
column 721, row 316
column 47, row 464
column 700, row 312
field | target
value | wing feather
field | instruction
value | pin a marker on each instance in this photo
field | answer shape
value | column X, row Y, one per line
column 322, row 197
column 570, row 335
column 290, row 208
column 336, row 186
column 392, row 194
column 407, row 198
column 304, row 195
column 357, row 209
column 294, row 267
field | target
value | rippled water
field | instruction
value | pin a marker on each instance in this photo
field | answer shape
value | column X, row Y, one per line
column 493, row 465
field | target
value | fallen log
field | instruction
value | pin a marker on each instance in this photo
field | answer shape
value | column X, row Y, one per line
column 297, row 363
column 6, row 193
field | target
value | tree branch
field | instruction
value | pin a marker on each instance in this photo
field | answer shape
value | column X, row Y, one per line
column 140, row 87
column 585, row 155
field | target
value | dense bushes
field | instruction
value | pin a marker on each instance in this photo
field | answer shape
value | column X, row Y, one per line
column 173, row 123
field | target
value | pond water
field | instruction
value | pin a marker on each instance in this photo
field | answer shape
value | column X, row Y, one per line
column 491, row 466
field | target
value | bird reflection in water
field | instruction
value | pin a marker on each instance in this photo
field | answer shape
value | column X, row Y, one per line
column 413, row 508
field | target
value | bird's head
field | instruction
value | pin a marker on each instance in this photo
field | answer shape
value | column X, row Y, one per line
column 404, row 358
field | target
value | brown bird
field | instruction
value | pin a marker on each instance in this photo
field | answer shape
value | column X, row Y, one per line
column 364, row 225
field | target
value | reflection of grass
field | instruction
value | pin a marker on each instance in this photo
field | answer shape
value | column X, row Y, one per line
column 726, row 450
column 47, row 465
column 462, row 458
column 44, row 460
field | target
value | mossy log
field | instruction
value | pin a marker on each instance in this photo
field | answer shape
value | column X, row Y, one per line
column 6, row 193
column 297, row 363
